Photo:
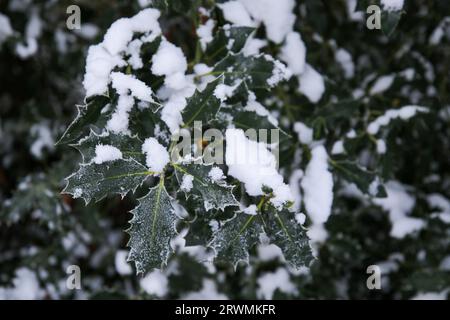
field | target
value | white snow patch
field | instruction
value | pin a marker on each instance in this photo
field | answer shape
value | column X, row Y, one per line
column 382, row 84
column 269, row 282
column 318, row 186
column 122, row 266
column 253, row 164
column 155, row 283
column 312, row 84
column 125, row 83
column 403, row 113
column 276, row 15
column 205, row 33
column 104, row 153
column 399, row 204
column 186, row 183
column 157, row 156
column 392, row 5
column 293, row 52
column 216, row 174
column 305, row 133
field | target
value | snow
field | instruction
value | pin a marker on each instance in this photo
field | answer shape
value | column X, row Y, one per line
column 431, row 296
column 392, row 5
column 223, row 91
column 399, row 204
column 216, row 174
column 208, row 292
column 305, row 133
column 25, row 287
column 125, row 83
column 253, row 46
column 269, row 282
column 5, row 28
column 294, row 184
column 338, row 147
column 168, row 60
column 43, row 139
column 236, row 13
column 104, row 153
column 317, row 186
column 251, row 210
column 293, row 52
column 155, row 283
column 435, row 37
column 205, row 33
column 312, row 84
column 259, row 109
column 186, row 184
column 382, row 84
column 122, row 266
column 276, row 15
column 344, row 58
column 157, row 156
column 33, row 31
column 119, row 120
column 269, row 252
column 251, row 163
column 104, row 57
column 279, row 73
column 381, row 146
column 403, row 113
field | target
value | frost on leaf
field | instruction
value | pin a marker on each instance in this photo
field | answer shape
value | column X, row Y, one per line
column 96, row 181
column 231, row 39
column 215, row 194
column 285, row 232
column 232, row 241
column 152, row 227
column 87, row 115
column 259, row 72
column 129, row 146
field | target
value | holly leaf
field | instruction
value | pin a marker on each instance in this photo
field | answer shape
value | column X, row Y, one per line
column 233, row 240
column 202, row 106
column 285, row 232
column 96, row 181
column 231, row 39
column 87, row 115
column 215, row 194
column 358, row 175
column 389, row 21
column 152, row 227
column 259, row 72
column 129, row 146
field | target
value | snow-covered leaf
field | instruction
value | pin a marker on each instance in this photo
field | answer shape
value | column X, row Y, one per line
column 259, row 72
column 233, row 240
column 95, row 181
column 230, row 39
column 215, row 194
column 87, row 115
column 152, row 227
column 285, row 232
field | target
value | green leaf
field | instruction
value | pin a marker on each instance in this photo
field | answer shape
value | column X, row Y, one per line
column 285, row 232
column 129, row 146
column 87, row 115
column 358, row 175
column 152, row 227
column 215, row 194
column 254, row 70
column 232, row 39
column 202, row 106
column 96, row 181
column 233, row 240
column 389, row 21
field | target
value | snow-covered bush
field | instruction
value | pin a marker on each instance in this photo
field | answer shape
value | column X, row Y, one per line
column 358, row 117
